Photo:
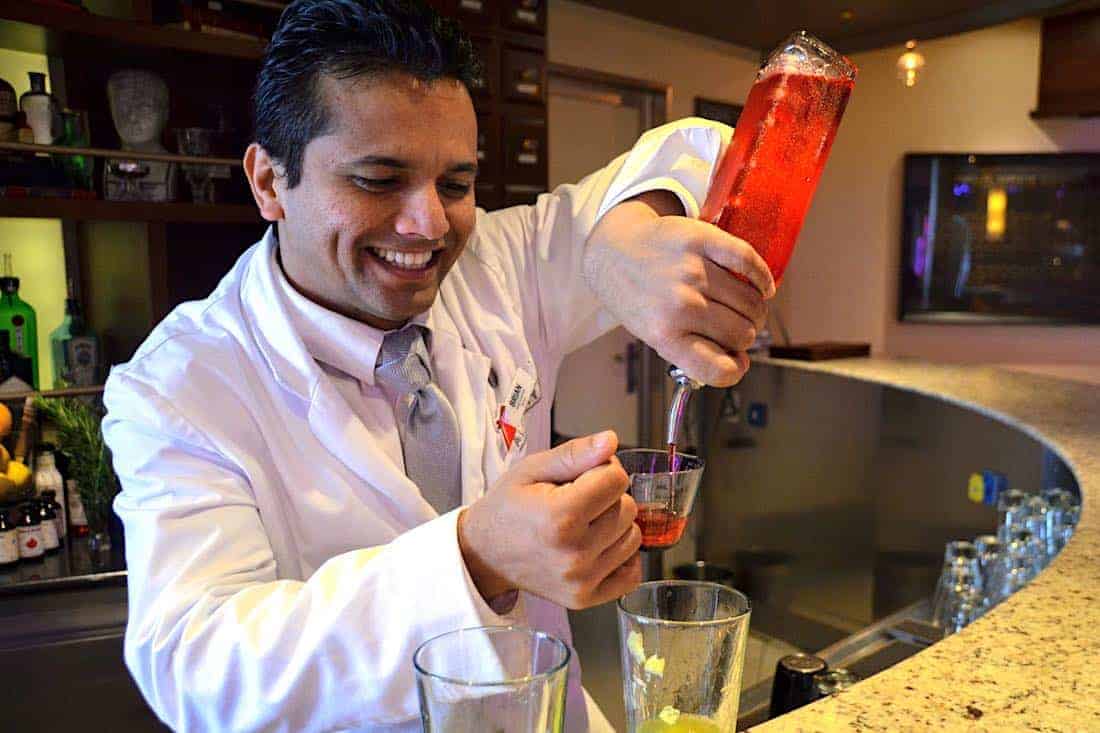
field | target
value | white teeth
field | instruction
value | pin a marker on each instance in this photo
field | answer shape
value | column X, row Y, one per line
column 406, row 260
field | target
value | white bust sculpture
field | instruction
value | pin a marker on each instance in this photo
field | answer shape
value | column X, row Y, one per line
column 139, row 108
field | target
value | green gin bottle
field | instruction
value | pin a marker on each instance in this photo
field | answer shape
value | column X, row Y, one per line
column 18, row 319
column 75, row 349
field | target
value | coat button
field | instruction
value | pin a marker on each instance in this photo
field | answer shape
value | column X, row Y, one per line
column 492, row 378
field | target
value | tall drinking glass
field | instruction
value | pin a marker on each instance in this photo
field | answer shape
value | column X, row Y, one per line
column 492, row 678
column 664, row 497
column 683, row 649
column 763, row 186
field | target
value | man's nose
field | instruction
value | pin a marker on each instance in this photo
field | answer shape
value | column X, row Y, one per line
column 423, row 215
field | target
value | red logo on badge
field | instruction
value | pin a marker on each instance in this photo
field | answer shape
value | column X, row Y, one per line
column 32, row 543
column 508, row 431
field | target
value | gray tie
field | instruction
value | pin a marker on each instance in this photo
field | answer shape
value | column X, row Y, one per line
column 425, row 419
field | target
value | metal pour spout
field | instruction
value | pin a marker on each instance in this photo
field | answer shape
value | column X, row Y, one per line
column 685, row 386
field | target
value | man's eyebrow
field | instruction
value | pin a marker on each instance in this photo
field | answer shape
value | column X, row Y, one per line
column 389, row 162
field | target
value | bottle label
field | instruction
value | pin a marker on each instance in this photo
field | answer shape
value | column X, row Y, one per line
column 31, row 542
column 49, row 535
column 77, row 517
column 80, row 353
column 9, row 547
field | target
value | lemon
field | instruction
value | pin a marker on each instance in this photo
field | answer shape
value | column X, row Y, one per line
column 18, row 474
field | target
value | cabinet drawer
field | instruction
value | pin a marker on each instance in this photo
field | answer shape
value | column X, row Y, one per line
column 525, row 15
column 525, row 150
column 488, row 147
column 490, row 79
column 474, row 13
column 524, row 76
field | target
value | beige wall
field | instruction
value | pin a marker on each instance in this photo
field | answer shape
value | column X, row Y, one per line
column 974, row 96
column 580, row 35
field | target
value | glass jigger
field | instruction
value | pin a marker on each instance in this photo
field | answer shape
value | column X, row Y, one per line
column 682, row 645
column 197, row 141
column 664, row 497
column 492, row 678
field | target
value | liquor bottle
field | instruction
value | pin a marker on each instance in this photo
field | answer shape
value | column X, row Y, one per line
column 78, row 520
column 74, row 133
column 46, row 519
column 75, row 349
column 32, row 545
column 41, row 109
column 16, row 372
column 9, row 542
column 50, row 496
column 23, row 131
column 17, row 317
column 8, row 107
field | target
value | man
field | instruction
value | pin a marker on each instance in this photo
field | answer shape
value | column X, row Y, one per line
column 314, row 480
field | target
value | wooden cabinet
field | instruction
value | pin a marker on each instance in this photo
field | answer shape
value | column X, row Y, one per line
column 1069, row 67
column 185, row 248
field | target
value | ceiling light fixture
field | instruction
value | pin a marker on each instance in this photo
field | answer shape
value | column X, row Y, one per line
column 910, row 64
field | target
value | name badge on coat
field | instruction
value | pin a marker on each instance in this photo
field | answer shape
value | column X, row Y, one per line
column 522, row 395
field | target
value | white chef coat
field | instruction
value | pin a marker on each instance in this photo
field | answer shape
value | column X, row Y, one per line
column 282, row 567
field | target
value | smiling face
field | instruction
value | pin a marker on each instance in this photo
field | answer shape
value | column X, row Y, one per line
column 386, row 199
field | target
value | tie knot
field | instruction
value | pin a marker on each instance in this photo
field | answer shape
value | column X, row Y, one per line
column 403, row 362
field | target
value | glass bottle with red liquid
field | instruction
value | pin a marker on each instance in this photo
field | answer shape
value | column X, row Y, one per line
column 764, row 183
column 760, row 192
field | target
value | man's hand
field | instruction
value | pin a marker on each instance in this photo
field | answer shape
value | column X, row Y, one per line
column 559, row 525
column 671, row 282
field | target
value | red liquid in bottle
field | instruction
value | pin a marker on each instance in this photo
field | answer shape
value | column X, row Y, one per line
column 764, row 183
column 660, row 527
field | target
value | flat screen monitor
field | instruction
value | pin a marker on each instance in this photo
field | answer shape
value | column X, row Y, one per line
column 1001, row 238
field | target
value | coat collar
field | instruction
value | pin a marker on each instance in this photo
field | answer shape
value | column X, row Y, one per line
column 276, row 321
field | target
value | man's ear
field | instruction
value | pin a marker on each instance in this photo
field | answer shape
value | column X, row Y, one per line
column 262, row 174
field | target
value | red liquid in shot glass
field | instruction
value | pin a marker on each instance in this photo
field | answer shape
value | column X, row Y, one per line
column 660, row 527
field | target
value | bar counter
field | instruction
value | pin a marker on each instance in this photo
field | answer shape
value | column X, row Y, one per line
column 1027, row 664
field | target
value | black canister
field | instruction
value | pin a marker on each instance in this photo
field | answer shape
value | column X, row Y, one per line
column 793, row 685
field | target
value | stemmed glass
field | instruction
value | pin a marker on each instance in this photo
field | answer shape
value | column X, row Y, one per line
column 197, row 141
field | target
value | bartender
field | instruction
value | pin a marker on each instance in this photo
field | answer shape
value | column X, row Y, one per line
column 344, row 450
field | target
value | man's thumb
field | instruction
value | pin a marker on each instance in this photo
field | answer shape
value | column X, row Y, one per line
column 569, row 460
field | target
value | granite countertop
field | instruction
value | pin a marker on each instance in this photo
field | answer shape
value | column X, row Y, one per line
column 1026, row 665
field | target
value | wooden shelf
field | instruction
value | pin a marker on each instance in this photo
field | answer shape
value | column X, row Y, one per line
column 129, row 32
column 58, row 208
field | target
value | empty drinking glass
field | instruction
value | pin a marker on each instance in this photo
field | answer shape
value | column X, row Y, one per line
column 197, row 141
column 990, row 550
column 1025, row 545
column 960, row 578
column 1059, row 502
column 1070, row 518
column 962, row 606
column 492, row 678
column 1012, row 510
column 958, row 556
column 1036, row 523
column 683, row 650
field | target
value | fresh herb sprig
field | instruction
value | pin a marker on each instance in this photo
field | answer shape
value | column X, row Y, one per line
column 81, row 439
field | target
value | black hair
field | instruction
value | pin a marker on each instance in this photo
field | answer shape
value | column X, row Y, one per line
column 346, row 39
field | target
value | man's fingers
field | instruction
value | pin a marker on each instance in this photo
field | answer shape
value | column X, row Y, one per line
column 610, row 526
column 707, row 362
column 737, row 256
column 621, row 581
column 592, row 494
column 725, row 327
column 735, row 294
column 567, row 461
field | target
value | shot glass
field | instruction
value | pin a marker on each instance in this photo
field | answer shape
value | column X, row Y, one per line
column 492, row 678
column 683, row 652
column 664, row 496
